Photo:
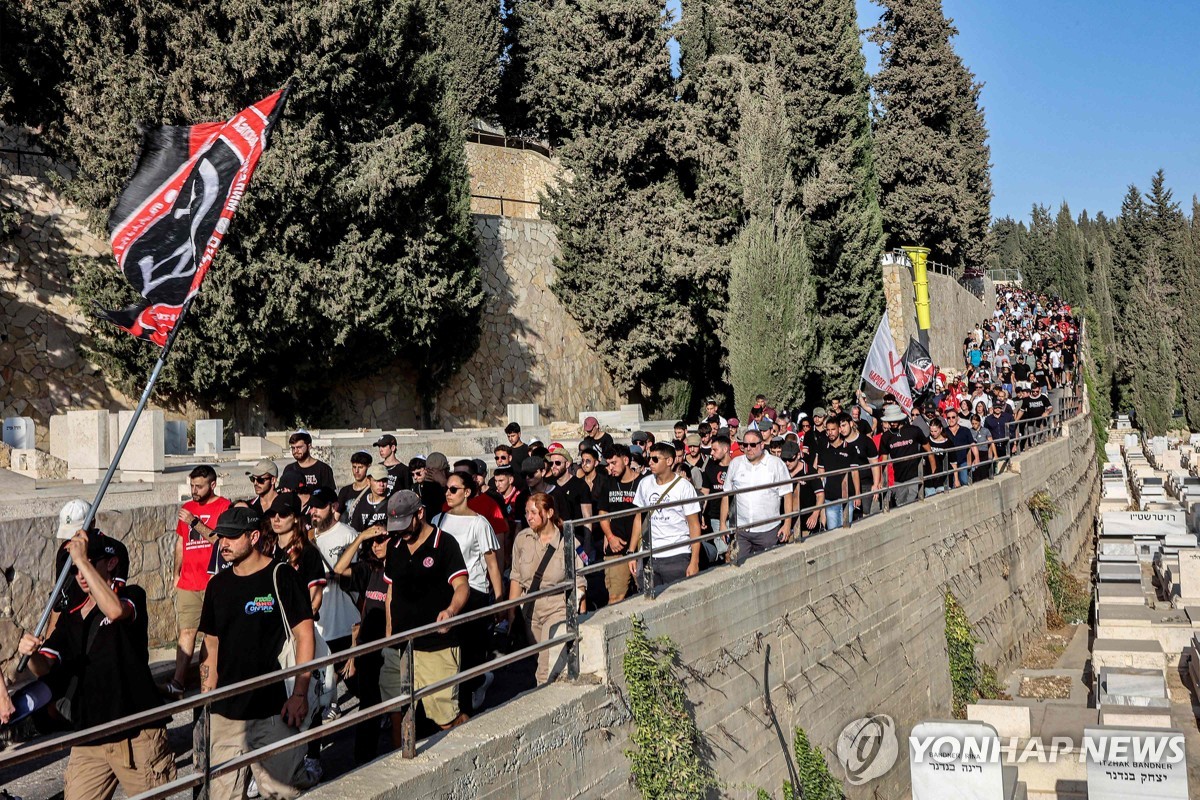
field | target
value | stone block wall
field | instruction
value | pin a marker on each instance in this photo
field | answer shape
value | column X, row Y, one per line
column 42, row 368
column 531, row 350
column 27, row 550
column 519, row 175
column 815, row 635
column 953, row 312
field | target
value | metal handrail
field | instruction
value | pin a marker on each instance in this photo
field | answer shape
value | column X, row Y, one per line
column 408, row 700
column 535, row 203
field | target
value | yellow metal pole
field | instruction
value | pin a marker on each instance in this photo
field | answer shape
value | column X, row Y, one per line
column 918, row 256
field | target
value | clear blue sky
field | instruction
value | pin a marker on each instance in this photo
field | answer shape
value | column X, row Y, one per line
column 1083, row 97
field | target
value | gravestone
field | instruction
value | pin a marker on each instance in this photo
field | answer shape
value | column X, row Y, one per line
column 59, row 436
column 963, row 761
column 527, row 415
column 1189, row 577
column 1124, row 686
column 144, row 456
column 87, row 445
column 258, row 447
column 1133, row 763
column 210, row 437
column 1142, row 523
column 19, row 433
column 175, row 433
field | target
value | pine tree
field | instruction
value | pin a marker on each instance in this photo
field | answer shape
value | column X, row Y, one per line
column 1040, row 264
column 1008, row 245
column 1070, row 256
column 771, row 331
column 931, row 138
column 1130, row 240
column 353, row 248
column 598, row 85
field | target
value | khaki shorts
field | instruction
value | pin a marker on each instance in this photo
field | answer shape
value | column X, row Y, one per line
column 140, row 763
column 187, row 609
column 429, row 667
column 617, row 580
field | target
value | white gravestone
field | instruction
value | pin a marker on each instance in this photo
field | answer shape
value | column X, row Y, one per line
column 210, row 437
column 955, row 759
column 527, row 415
column 87, row 445
column 1142, row 523
column 1133, row 763
column 1189, row 575
column 144, row 456
column 175, row 431
column 19, row 433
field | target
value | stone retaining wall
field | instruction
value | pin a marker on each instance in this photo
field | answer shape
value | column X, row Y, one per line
column 953, row 311
column 814, row 635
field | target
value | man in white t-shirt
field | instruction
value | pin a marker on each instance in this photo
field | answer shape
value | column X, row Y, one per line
column 339, row 612
column 757, row 467
column 666, row 526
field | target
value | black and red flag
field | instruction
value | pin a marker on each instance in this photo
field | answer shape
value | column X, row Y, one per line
column 169, row 221
column 919, row 369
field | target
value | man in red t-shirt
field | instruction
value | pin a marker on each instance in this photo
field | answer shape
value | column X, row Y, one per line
column 193, row 551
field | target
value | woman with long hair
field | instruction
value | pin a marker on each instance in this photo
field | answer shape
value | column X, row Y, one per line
column 364, row 578
column 538, row 562
column 287, row 543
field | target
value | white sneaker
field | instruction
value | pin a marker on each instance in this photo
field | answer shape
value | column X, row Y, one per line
column 480, row 694
column 252, row 789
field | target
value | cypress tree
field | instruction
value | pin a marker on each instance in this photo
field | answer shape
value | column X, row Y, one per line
column 931, row 137
column 1152, row 374
column 470, row 35
column 1040, row 265
column 770, row 343
column 354, row 246
column 1130, row 239
column 1188, row 310
column 598, row 85
column 1070, row 256
column 813, row 47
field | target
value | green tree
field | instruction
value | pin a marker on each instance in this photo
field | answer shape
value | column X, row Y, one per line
column 1187, row 303
column 771, row 331
column 1070, row 256
column 1152, row 375
column 931, row 139
column 1129, row 242
column 1008, row 245
column 1040, row 264
column 354, row 246
column 598, row 85
column 470, row 35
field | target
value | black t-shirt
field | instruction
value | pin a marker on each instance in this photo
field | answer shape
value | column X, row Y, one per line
column 864, row 427
column 1020, row 370
column 368, row 513
column 311, row 567
column 514, row 508
column 570, row 497
column 601, row 445
column 346, row 496
column 398, row 478
column 714, row 476
column 908, row 441
column 618, row 496
column 519, row 454
column 1035, row 407
column 105, row 666
column 319, row 474
column 963, row 438
column 433, row 497
column 941, row 462
column 833, row 457
column 366, row 581
column 814, row 443
column 243, row 613
column 863, row 451
column 422, row 586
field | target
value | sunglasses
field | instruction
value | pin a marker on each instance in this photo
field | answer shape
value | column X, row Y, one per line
column 260, row 479
column 558, row 463
column 751, row 444
column 656, row 459
column 455, row 489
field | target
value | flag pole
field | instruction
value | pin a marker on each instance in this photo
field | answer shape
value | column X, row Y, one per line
column 44, row 619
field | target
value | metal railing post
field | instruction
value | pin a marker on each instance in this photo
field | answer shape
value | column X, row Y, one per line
column 648, row 562
column 572, row 600
column 408, row 730
column 204, row 755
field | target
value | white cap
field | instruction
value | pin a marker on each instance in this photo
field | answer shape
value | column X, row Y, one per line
column 70, row 519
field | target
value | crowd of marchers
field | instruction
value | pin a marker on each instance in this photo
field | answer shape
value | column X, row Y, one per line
column 299, row 564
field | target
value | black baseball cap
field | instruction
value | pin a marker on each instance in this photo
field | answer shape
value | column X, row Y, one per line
column 386, row 439
column 321, row 497
column 532, row 464
column 285, row 503
column 400, row 510
column 639, row 437
column 101, row 546
column 790, row 450
column 237, row 521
